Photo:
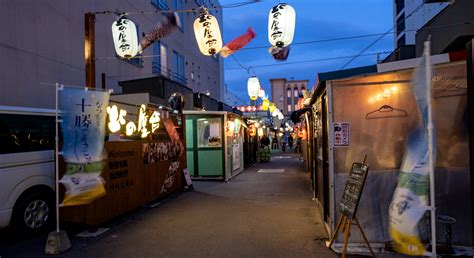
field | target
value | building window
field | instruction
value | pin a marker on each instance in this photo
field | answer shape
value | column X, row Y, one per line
column 400, row 4
column 160, row 60
column 401, row 41
column 160, row 4
column 288, row 98
column 401, row 23
column 295, row 99
column 303, row 90
column 178, row 5
column 178, row 68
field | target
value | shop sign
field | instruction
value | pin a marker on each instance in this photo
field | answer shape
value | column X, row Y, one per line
column 148, row 122
column 341, row 134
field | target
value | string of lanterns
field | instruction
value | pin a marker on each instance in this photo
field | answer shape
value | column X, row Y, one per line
column 281, row 28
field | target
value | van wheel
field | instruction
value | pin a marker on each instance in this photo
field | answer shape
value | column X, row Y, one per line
column 34, row 212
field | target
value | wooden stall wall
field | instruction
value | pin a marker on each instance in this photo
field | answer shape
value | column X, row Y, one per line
column 137, row 172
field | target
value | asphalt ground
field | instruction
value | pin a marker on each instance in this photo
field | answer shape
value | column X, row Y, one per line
column 254, row 215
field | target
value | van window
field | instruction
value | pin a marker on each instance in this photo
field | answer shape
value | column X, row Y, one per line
column 24, row 133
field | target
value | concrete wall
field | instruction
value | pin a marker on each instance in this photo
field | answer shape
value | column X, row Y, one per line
column 452, row 38
column 43, row 42
column 416, row 20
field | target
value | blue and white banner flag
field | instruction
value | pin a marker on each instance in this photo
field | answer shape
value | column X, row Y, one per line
column 83, row 114
column 410, row 200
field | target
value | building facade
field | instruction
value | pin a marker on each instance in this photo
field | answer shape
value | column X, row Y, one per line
column 410, row 15
column 43, row 43
column 285, row 94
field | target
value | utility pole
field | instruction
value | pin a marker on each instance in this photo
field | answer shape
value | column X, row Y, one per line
column 470, row 104
column 89, row 48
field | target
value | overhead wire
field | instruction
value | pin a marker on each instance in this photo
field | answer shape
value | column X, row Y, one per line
column 310, row 61
column 381, row 37
column 192, row 10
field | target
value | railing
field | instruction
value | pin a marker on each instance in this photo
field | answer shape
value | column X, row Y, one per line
column 158, row 69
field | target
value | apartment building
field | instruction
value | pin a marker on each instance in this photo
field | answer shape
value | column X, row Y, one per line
column 42, row 42
column 285, row 93
column 410, row 15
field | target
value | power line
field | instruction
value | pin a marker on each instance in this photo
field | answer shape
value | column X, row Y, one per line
column 310, row 61
column 359, row 36
column 192, row 10
column 381, row 36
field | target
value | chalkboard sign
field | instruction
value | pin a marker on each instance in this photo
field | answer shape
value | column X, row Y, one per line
column 353, row 190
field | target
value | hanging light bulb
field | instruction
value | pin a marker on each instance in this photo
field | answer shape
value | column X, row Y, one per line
column 124, row 33
column 208, row 34
column 253, row 86
column 281, row 25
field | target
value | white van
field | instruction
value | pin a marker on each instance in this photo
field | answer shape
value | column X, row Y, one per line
column 27, row 167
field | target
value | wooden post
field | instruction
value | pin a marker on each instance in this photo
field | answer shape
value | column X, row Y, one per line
column 104, row 85
column 89, row 48
column 470, row 105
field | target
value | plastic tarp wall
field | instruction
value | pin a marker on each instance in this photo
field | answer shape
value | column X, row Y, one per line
column 381, row 136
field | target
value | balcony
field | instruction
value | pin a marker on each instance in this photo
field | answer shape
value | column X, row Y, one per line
column 166, row 72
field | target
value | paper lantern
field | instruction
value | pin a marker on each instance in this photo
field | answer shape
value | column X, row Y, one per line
column 261, row 93
column 124, row 33
column 302, row 133
column 281, row 25
column 253, row 86
column 260, row 131
column 252, row 130
column 272, row 107
column 237, row 124
column 280, row 116
column 229, row 129
column 300, row 103
column 208, row 34
column 265, row 104
column 275, row 112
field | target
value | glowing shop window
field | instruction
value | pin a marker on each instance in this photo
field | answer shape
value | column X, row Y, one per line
column 209, row 132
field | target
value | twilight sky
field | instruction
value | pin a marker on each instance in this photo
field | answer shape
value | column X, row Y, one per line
column 315, row 20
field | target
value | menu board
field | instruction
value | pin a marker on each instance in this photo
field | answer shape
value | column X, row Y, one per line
column 353, row 190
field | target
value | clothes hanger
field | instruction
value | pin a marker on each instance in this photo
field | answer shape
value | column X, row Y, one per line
column 388, row 111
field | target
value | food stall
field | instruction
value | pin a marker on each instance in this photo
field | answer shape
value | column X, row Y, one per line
column 141, row 166
column 214, row 144
column 373, row 115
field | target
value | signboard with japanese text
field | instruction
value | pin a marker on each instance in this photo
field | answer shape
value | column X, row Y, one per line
column 341, row 134
column 83, row 114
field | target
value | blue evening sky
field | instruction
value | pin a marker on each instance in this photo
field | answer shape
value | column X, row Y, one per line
column 315, row 20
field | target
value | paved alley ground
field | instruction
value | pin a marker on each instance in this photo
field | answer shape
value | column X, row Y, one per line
column 254, row 215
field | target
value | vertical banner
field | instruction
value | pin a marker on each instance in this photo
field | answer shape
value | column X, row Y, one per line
column 83, row 115
column 410, row 200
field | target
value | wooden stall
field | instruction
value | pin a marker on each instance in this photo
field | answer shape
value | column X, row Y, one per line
column 373, row 114
column 138, row 171
column 214, row 146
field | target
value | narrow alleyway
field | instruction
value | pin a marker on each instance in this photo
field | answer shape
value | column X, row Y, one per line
column 257, row 214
